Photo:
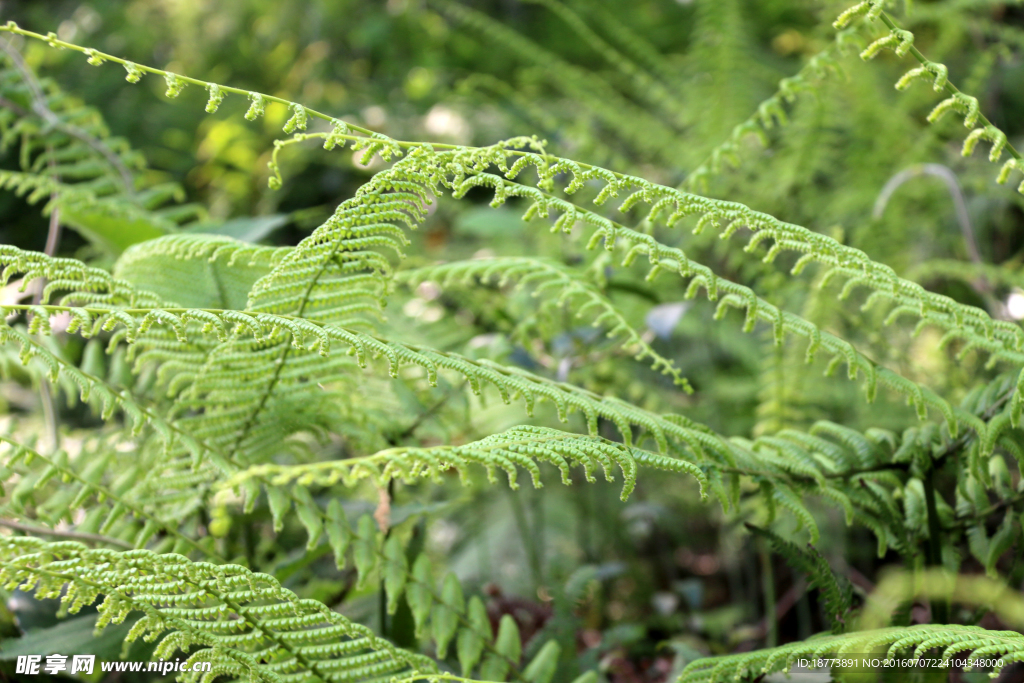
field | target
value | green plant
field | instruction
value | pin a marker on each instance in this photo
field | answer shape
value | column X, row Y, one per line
column 242, row 393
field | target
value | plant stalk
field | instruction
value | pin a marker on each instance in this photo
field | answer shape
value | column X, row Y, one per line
column 933, row 548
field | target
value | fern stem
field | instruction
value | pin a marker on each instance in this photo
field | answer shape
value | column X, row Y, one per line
column 71, row 535
column 539, row 527
column 12, row 27
column 940, row 608
column 768, row 586
column 51, row 418
column 526, row 535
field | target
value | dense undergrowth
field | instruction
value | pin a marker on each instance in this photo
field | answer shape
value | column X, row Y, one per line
column 343, row 377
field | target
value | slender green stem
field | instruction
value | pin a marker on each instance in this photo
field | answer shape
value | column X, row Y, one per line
column 539, row 526
column 382, row 597
column 768, row 586
column 11, row 27
column 933, row 548
column 53, row 233
column 528, row 538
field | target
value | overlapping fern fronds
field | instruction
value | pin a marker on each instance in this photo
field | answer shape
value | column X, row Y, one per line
column 251, row 365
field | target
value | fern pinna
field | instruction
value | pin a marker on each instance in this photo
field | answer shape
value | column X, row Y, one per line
column 252, row 394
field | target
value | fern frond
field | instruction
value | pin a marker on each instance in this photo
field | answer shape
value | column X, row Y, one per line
column 246, row 393
column 301, row 329
column 738, row 296
column 556, row 286
column 421, row 161
column 336, row 276
column 509, row 382
column 245, row 623
column 858, row 472
column 836, row 592
column 173, row 438
column 93, row 389
column 175, row 82
column 79, row 283
column 75, row 139
column 979, row 643
column 518, row 447
column 96, row 181
column 903, row 42
column 441, row 612
column 112, row 509
column 844, row 261
column 772, row 111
